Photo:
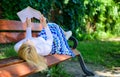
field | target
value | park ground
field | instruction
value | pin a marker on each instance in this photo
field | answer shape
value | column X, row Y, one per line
column 99, row 70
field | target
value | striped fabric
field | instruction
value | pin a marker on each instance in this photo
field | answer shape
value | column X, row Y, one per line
column 60, row 45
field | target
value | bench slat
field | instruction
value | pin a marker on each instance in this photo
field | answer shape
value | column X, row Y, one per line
column 16, row 25
column 10, row 37
column 14, row 31
column 51, row 59
column 56, row 58
column 10, row 61
column 23, row 69
column 16, row 70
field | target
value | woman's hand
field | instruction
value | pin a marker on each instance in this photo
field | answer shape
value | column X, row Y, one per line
column 28, row 22
column 43, row 21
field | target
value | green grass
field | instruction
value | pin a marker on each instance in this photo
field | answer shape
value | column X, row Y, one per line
column 7, row 50
column 105, row 53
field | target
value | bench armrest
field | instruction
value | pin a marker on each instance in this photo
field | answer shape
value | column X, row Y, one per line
column 75, row 42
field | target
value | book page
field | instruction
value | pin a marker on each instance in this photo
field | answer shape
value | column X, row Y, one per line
column 28, row 13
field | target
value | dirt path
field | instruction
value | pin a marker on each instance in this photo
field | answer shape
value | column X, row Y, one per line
column 74, row 68
column 99, row 71
column 114, row 39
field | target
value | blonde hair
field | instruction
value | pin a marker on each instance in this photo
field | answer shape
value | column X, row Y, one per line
column 28, row 52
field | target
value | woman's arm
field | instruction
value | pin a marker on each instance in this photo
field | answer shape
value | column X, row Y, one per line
column 47, row 30
column 28, row 29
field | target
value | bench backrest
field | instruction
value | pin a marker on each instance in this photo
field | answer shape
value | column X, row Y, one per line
column 13, row 31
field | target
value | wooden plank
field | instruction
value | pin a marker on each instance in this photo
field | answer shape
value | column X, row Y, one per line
column 17, row 70
column 23, row 69
column 51, row 59
column 14, row 31
column 6, row 37
column 11, row 25
column 17, row 25
column 18, row 31
column 10, row 61
column 10, row 37
column 56, row 58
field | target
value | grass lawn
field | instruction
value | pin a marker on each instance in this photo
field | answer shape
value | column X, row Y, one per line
column 7, row 50
column 106, row 53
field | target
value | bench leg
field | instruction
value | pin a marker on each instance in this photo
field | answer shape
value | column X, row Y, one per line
column 84, row 68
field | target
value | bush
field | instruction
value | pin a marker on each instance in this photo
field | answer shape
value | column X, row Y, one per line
column 102, row 18
column 86, row 18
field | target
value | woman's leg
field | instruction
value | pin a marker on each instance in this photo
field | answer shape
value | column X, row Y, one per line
column 60, row 44
column 68, row 34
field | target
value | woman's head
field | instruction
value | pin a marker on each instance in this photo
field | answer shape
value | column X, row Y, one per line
column 25, row 50
column 28, row 52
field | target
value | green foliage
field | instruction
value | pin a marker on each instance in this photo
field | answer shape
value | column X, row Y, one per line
column 11, row 7
column 70, row 14
column 102, row 18
column 88, row 19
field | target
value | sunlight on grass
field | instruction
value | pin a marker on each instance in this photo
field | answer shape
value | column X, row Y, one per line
column 101, row 52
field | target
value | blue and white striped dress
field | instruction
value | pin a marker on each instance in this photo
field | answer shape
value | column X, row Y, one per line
column 60, row 44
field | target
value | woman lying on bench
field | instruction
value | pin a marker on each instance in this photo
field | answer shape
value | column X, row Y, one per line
column 51, row 40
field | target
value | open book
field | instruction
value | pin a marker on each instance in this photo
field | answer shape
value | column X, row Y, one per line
column 28, row 13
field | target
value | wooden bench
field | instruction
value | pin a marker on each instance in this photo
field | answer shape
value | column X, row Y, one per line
column 13, row 31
